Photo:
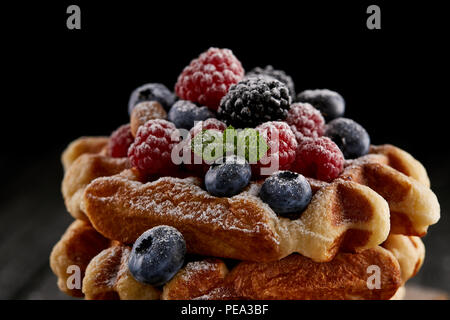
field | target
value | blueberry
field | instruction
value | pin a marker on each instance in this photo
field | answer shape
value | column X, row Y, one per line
column 228, row 178
column 152, row 91
column 349, row 136
column 157, row 255
column 287, row 193
column 184, row 113
column 330, row 103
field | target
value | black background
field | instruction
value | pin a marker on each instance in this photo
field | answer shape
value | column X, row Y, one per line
column 61, row 84
column 67, row 83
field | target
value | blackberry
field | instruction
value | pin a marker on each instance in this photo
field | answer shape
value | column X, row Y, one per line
column 253, row 101
column 279, row 75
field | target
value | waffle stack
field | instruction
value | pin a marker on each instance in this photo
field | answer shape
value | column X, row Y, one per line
column 336, row 218
column 369, row 218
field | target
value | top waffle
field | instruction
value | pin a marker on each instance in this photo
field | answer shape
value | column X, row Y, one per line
column 352, row 213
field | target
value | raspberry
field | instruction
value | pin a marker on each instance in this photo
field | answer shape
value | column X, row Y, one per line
column 306, row 120
column 279, row 75
column 207, row 79
column 281, row 143
column 151, row 150
column 254, row 101
column 208, row 124
column 319, row 158
column 120, row 141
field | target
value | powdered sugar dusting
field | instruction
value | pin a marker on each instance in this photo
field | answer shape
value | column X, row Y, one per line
column 196, row 268
column 174, row 206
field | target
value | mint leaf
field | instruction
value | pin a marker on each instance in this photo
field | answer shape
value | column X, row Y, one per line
column 208, row 145
column 229, row 141
column 250, row 145
column 212, row 144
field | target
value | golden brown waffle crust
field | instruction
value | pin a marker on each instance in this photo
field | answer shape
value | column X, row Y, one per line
column 108, row 278
column 392, row 192
column 241, row 227
column 293, row 277
column 409, row 251
column 79, row 244
column 107, row 275
column 353, row 213
column 84, row 169
column 80, row 146
column 413, row 205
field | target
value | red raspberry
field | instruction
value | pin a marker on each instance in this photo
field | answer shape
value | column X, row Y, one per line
column 207, row 79
column 305, row 120
column 208, row 124
column 119, row 141
column 152, row 148
column 278, row 136
column 319, row 158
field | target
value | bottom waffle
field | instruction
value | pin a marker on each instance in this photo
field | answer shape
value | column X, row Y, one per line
column 106, row 276
column 78, row 245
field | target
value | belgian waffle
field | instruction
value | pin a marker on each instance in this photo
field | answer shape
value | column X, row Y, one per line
column 107, row 275
column 77, row 247
column 352, row 213
column 104, row 192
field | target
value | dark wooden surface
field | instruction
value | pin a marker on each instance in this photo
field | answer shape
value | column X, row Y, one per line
column 31, row 222
column 33, row 217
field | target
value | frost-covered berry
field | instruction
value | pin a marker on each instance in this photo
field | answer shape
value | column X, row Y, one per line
column 349, row 136
column 151, row 151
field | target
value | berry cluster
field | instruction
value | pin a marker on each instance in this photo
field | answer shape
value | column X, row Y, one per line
column 307, row 138
column 212, row 99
